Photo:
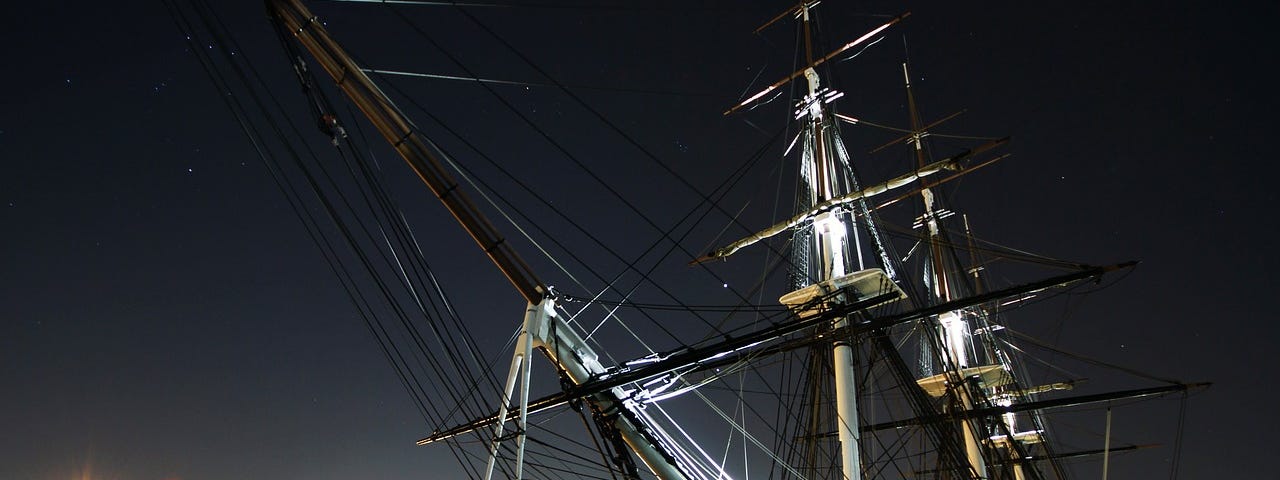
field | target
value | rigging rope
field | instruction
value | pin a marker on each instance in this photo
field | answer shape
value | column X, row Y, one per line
column 1038, row 343
column 534, row 84
column 331, row 208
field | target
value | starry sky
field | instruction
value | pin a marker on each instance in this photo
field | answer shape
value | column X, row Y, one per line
column 163, row 314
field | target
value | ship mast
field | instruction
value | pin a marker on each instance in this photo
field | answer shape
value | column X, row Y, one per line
column 831, row 233
column 830, row 204
column 826, row 175
column 953, row 327
column 831, row 220
column 962, row 353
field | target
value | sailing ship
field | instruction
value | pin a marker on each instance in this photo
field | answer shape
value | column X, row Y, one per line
column 885, row 352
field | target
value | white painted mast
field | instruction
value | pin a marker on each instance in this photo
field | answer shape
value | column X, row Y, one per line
column 833, row 232
column 833, row 241
column 953, row 326
column 832, row 238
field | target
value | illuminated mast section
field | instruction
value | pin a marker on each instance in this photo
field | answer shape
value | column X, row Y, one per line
column 953, row 327
column 832, row 239
column 826, row 175
column 963, row 375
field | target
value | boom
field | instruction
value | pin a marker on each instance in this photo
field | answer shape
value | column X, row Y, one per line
column 542, row 328
column 398, row 130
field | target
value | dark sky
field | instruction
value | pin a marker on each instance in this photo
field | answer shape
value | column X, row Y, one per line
column 163, row 314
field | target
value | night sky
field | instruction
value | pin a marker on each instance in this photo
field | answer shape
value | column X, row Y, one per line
column 163, row 314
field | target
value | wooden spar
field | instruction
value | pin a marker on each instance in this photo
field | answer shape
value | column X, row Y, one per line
column 765, row 342
column 795, row 10
column 416, row 151
column 820, row 61
column 912, row 134
column 948, row 164
column 1055, row 456
column 564, row 347
column 959, row 174
column 1042, row 405
column 945, row 164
